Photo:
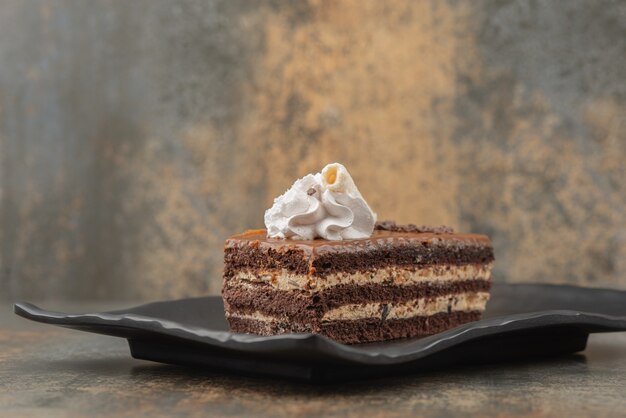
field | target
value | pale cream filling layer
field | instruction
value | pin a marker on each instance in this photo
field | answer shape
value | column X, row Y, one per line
column 461, row 302
column 285, row 280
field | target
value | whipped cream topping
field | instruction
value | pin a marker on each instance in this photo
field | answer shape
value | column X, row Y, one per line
column 325, row 205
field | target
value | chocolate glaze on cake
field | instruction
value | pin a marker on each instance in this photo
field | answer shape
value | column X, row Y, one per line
column 403, row 281
column 253, row 250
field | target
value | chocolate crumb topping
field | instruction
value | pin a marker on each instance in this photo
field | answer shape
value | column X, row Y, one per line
column 393, row 227
column 311, row 191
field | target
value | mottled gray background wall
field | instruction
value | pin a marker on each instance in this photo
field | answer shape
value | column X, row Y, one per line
column 135, row 136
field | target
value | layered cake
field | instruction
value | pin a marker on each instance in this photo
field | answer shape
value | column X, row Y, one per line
column 325, row 266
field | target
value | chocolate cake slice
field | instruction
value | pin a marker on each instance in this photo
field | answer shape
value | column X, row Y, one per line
column 402, row 281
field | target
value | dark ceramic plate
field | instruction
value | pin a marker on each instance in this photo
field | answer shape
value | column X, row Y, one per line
column 521, row 321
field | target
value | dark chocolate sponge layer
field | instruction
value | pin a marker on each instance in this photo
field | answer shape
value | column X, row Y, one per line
column 301, row 306
column 361, row 330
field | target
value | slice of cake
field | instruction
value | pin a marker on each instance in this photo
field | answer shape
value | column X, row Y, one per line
column 323, row 266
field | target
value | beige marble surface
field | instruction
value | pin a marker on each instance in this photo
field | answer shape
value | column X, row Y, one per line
column 136, row 136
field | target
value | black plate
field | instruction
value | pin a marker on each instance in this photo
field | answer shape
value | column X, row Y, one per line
column 521, row 321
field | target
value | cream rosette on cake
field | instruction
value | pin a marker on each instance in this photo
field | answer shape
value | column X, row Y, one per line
column 325, row 205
